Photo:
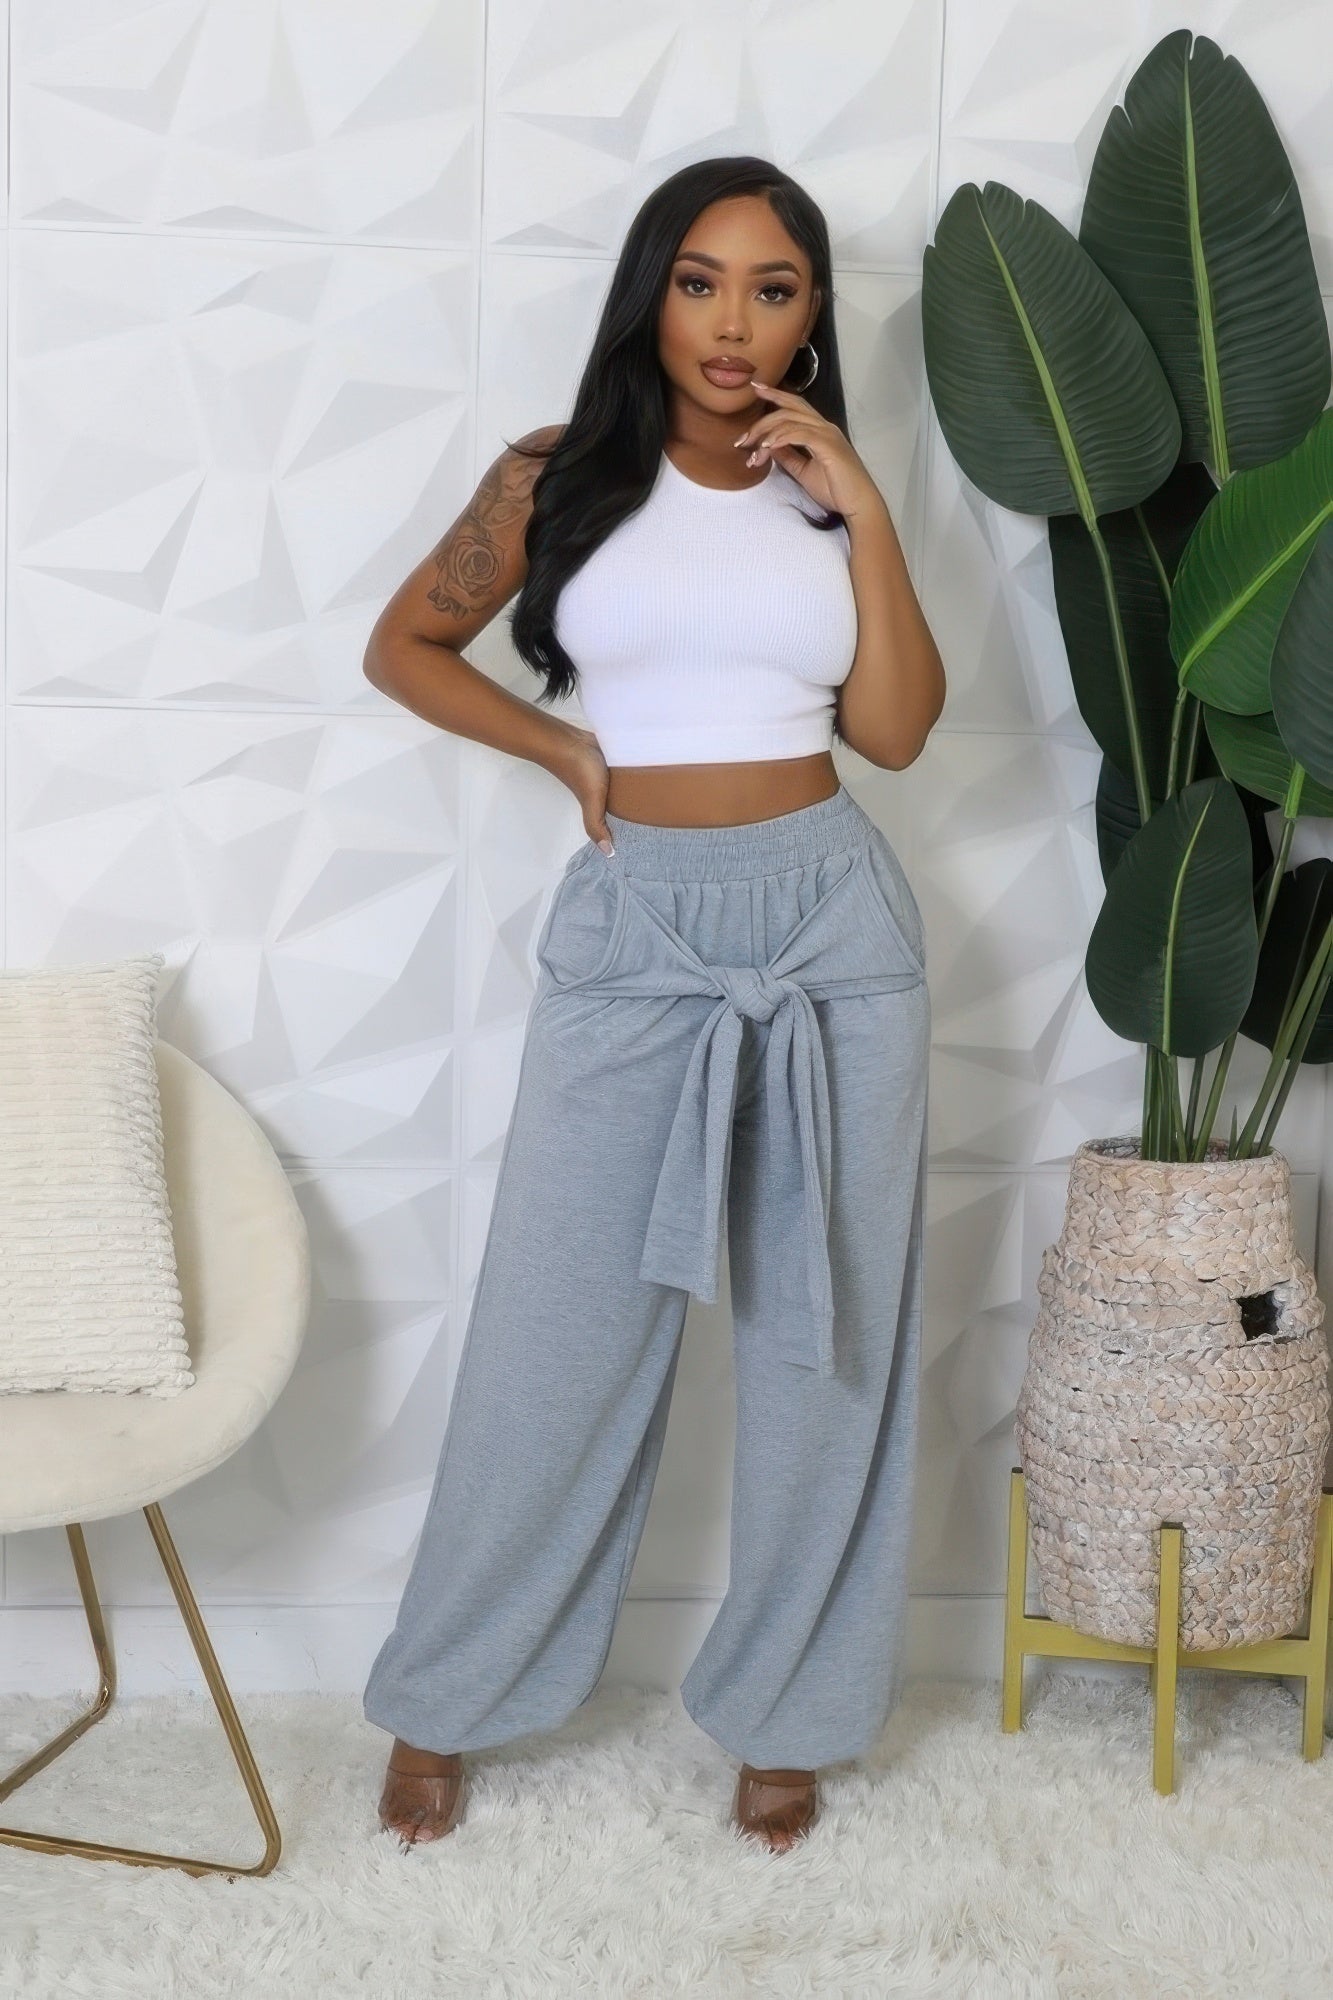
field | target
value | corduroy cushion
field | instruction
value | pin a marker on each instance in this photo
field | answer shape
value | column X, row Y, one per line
column 243, row 1252
column 89, row 1294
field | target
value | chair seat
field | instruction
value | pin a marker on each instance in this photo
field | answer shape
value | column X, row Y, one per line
column 243, row 1261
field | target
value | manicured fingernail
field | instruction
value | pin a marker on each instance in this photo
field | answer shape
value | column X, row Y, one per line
column 606, row 847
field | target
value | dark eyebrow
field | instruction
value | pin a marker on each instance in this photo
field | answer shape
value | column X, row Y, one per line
column 717, row 264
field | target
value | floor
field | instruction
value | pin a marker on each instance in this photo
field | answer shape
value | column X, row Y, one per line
column 956, row 1861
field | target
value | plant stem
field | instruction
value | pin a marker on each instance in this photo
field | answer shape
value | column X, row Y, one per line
column 1178, row 714
column 1286, row 1034
column 1122, row 669
column 1192, row 1108
column 1189, row 704
column 1303, row 1035
column 1200, row 1145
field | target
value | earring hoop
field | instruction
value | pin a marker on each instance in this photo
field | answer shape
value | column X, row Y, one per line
column 814, row 368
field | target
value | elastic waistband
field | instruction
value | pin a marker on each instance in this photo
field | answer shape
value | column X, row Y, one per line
column 759, row 847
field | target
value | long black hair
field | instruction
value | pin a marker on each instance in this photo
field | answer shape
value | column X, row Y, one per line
column 602, row 466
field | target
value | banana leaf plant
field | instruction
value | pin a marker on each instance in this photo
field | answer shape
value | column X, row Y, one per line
column 1156, row 386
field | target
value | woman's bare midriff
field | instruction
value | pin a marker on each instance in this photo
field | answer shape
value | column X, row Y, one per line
column 719, row 794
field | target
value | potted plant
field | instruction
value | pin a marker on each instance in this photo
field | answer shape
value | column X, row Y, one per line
column 1157, row 387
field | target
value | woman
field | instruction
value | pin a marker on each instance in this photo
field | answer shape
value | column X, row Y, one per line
column 731, row 1013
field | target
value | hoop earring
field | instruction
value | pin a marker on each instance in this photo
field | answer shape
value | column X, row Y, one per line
column 814, row 369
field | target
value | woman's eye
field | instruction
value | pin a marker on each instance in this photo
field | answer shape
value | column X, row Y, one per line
column 783, row 291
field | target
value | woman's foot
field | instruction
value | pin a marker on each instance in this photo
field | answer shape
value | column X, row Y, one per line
column 423, row 1793
column 778, row 1805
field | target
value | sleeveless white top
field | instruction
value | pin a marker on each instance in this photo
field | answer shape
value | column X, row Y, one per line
column 712, row 627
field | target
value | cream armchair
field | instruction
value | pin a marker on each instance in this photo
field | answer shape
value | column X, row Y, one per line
column 243, row 1262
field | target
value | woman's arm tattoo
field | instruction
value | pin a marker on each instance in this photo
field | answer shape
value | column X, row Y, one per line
column 469, row 560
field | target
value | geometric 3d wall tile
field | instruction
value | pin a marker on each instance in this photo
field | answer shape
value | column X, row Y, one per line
column 269, row 322
column 223, row 458
column 265, row 120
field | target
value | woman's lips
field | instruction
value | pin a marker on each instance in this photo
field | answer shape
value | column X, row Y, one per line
column 727, row 378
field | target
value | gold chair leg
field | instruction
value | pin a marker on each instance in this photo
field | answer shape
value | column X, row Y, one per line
column 47, row 1843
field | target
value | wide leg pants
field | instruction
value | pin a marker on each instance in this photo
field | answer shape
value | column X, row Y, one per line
column 730, row 1030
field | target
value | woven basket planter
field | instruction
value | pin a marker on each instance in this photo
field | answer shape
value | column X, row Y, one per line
column 1178, row 1371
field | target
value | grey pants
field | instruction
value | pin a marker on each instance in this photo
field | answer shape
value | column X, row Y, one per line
column 730, row 1028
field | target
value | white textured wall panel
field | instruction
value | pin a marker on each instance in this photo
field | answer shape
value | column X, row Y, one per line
column 224, row 455
column 276, row 118
column 279, row 282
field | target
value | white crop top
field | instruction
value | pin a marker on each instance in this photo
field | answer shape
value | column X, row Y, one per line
column 712, row 627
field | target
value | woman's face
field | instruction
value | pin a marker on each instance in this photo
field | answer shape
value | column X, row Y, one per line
column 722, row 301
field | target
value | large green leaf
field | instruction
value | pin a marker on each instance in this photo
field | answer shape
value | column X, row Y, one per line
column 1301, row 915
column 1193, row 212
column 1046, row 387
column 1240, row 569
column 1116, row 812
column 1144, row 546
column 1301, row 675
column 1172, row 955
column 1251, row 752
column 1116, row 809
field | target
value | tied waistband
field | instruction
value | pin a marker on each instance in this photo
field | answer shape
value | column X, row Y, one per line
column 682, row 1244
column 683, row 1241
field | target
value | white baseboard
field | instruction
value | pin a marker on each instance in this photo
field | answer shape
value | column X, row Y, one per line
column 46, row 1650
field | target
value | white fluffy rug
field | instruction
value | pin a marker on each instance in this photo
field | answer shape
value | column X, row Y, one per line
column 597, row 1860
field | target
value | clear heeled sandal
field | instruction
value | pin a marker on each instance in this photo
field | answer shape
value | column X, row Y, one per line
column 422, row 1806
column 778, row 1806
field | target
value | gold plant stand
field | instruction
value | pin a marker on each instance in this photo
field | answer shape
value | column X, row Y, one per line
column 1304, row 1658
column 49, row 1843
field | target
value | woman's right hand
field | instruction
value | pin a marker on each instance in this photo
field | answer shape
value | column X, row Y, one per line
column 583, row 768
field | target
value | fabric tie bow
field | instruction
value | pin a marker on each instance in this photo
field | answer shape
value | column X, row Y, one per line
column 682, row 1244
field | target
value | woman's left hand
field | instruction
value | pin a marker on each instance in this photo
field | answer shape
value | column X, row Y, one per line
column 812, row 449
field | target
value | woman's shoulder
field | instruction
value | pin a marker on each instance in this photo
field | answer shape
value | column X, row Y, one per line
column 541, row 440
